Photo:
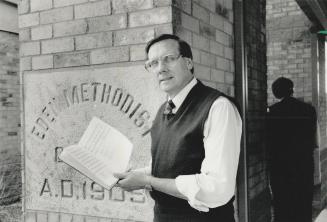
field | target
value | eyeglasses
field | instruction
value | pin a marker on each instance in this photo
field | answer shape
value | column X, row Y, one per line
column 169, row 60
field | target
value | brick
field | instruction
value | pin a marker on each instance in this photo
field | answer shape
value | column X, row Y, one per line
column 137, row 52
column 150, row 17
column 216, row 48
column 190, row 23
column 217, row 21
column 120, row 6
column 25, row 63
column 39, row 5
column 196, row 55
column 184, row 34
column 41, row 32
column 184, row 5
column 200, row 13
column 207, row 59
column 229, row 53
column 107, row 23
column 207, row 30
column 42, row 62
column 223, row 38
column 133, row 36
column 42, row 217
column 28, row 20
column 78, row 218
column 217, row 75
column 56, row 15
column 29, row 48
column 71, row 59
column 110, row 55
column 160, row 3
column 53, row 217
column 69, row 28
column 228, row 28
column 200, row 42
column 202, row 72
column 24, row 34
column 229, row 78
column 208, row 4
column 30, row 217
column 61, row 3
column 57, row 45
column 92, row 9
column 223, row 64
column 96, row 40
column 23, row 6
column 66, row 217
column 163, row 29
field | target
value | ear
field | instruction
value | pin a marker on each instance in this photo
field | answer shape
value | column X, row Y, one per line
column 189, row 63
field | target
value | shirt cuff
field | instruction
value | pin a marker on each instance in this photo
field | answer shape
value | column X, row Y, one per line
column 188, row 186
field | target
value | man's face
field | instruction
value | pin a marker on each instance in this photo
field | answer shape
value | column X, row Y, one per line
column 172, row 76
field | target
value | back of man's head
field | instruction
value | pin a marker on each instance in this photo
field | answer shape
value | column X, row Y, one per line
column 282, row 87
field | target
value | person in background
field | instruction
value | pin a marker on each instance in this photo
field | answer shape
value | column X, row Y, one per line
column 291, row 140
column 195, row 146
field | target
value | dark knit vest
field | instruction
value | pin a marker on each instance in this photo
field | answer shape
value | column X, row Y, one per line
column 177, row 144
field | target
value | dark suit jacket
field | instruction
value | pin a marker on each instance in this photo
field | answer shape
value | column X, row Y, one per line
column 291, row 139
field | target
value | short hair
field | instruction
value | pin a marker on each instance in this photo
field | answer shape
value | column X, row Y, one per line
column 184, row 47
column 282, row 87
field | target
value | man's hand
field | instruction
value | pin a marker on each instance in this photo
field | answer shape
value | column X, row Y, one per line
column 130, row 181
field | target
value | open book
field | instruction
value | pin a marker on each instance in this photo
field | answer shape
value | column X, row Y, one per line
column 101, row 151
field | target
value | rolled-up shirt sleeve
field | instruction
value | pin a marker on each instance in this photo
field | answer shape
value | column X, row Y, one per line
column 215, row 185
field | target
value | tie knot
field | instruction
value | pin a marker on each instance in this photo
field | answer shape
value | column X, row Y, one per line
column 169, row 107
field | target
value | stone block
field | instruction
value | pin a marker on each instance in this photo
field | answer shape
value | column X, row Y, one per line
column 56, row 15
column 110, row 55
column 207, row 30
column 229, row 78
column 28, row 20
column 53, row 217
column 163, row 29
column 216, row 48
column 39, row 5
column 137, row 52
column 74, row 27
column 91, row 219
column 23, row 6
column 42, row 62
column 222, row 63
column 29, row 48
column 30, row 217
column 41, row 32
column 66, row 217
column 217, row 21
column 120, row 6
column 71, row 59
column 154, row 16
column 223, row 38
column 184, row 34
column 184, row 5
column 201, row 13
column 229, row 53
column 24, row 34
column 57, row 45
column 96, row 40
column 201, row 42
column 160, row 3
column 133, row 36
column 208, row 4
column 190, row 23
column 78, row 218
column 217, row 75
column 61, row 3
column 92, row 9
column 41, row 217
column 107, row 23
column 25, row 63
column 202, row 72
column 207, row 59
column 228, row 27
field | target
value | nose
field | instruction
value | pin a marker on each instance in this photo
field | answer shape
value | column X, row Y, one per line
column 162, row 67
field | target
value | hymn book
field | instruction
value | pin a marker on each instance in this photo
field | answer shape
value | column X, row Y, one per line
column 101, row 151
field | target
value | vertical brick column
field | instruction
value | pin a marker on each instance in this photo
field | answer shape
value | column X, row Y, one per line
column 207, row 25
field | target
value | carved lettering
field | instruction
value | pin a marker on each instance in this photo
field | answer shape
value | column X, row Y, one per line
column 106, row 92
column 46, row 188
column 134, row 111
column 116, row 194
column 48, row 115
column 58, row 150
column 75, row 95
column 117, row 97
column 97, row 191
column 66, row 188
column 68, row 101
column 95, row 85
column 143, row 116
column 127, row 103
column 84, row 92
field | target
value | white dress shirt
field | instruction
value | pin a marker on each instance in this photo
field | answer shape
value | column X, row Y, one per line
column 215, row 185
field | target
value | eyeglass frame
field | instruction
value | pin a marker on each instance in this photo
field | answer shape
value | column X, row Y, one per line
column 161, row 58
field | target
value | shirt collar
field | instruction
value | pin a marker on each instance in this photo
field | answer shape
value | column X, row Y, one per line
column 180, row 97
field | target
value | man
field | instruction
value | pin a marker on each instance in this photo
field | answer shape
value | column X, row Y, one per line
column 291, row 140
column 195, row 142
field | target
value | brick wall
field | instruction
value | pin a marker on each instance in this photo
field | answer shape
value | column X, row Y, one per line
column 207, row 25
column 10, row 179
column 255, row 43
column 289, row 47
